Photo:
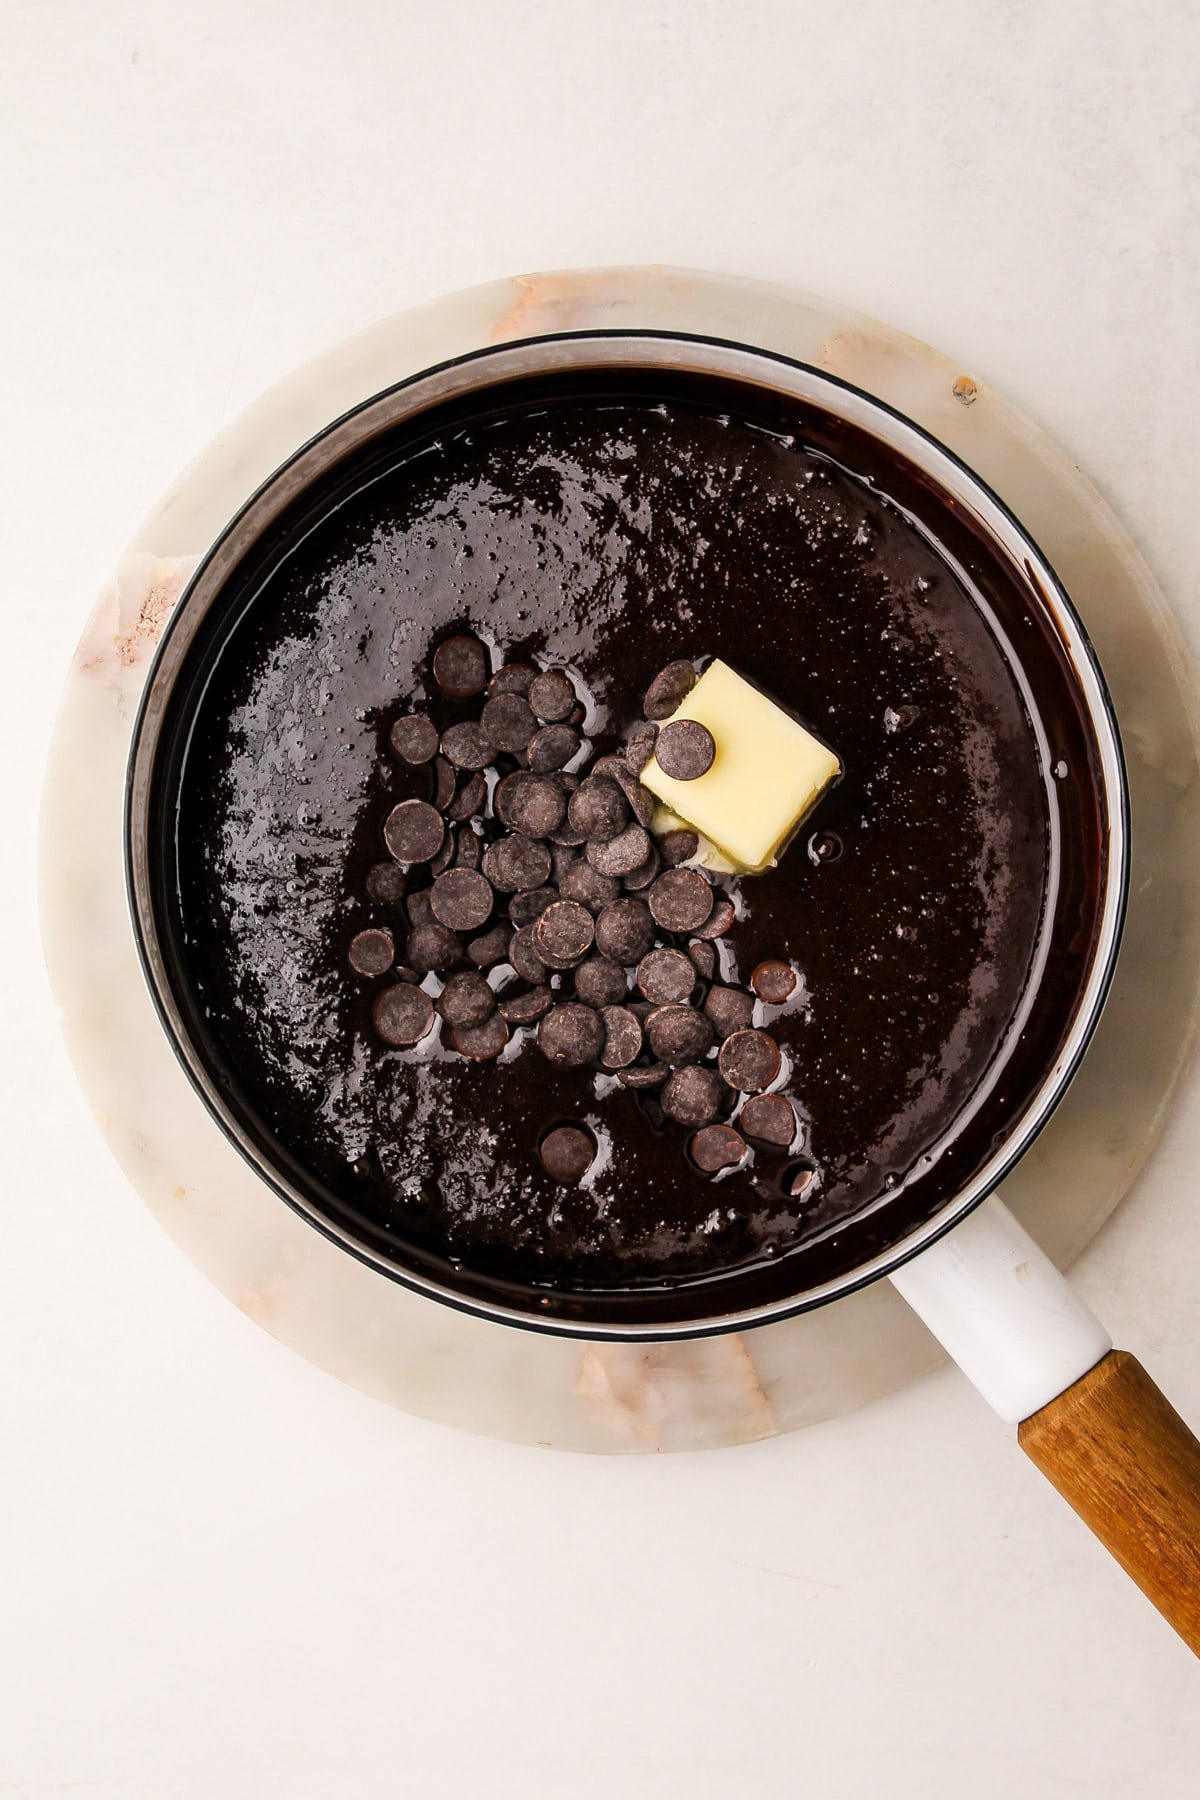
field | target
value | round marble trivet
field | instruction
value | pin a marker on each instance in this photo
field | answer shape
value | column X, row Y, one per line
column 488, row 1378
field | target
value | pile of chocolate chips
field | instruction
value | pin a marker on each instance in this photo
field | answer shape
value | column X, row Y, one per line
column 516, row 863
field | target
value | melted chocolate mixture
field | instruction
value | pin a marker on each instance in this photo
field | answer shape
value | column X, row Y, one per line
column 610, row 536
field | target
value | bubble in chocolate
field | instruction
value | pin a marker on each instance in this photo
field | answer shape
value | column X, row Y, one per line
column 824, row 847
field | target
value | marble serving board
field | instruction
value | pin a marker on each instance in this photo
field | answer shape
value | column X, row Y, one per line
column 446, row 1365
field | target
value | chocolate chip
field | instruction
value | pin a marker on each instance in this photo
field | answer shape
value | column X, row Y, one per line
column 646, row 1077
column 386, row 883
column 482, row 1043
column 433, row 948
column 522, row 954
column 577, row 715
column 415, row 738
column 685, row 750
column 770, row 1118
column 567, row 836
column 516, row 862
column 562, row 858
column 666, row 977
column 527, row 907
column 533, row 804
column 414, row 831
column 797, row 1179
column 420, row 908
column 570, row 1035
column 600, row 983
column 513, row 678
column 466, row 747
column 469, row 800
column 372, row 952
column 621, row 854
column 553, row 747
column 564, row 934
column 719, row 919
column 677, row 847
column 641, row 877
column 598, row 809
column 466, row 999
column 468, row 849
column 640, row 746
column 402, row 1013
column 445, row 855
column 508, row 722
column 526, row 1008
column 704, row 958
column 625, row 931
column 680, row 900
column 402, row 972
column 622, row 1037
column 669, row 689
column 641, row 800
column 445, row 781
column 491, row 948
column 583, row 883
column 460, row 667
column 567, row 1153
column 462, row 899
column 773, row 982
column 693, row 1096
column 749, row 1061
column 552, row 695
column 729, row 1009
column 717, row 1147
column 679, row 1034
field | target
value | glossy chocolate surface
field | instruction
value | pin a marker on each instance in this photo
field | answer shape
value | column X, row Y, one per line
column 608, row 525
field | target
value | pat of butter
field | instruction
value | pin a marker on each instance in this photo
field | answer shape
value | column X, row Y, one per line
column 768, row 773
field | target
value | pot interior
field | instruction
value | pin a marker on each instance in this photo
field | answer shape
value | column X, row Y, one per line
column 608, row 504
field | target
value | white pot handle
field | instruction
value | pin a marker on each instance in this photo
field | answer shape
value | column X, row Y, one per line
column 1089, row 1416
column 1012, row 1323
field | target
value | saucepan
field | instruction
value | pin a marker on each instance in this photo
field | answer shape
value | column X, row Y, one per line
column 1087, row 1414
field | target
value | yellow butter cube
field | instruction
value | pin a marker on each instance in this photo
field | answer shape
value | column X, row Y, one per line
column 768, row 773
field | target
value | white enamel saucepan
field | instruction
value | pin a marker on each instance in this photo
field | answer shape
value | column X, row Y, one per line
column 1087, row 1415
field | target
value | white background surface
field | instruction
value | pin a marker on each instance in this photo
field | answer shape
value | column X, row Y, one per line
column 221, row 1574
